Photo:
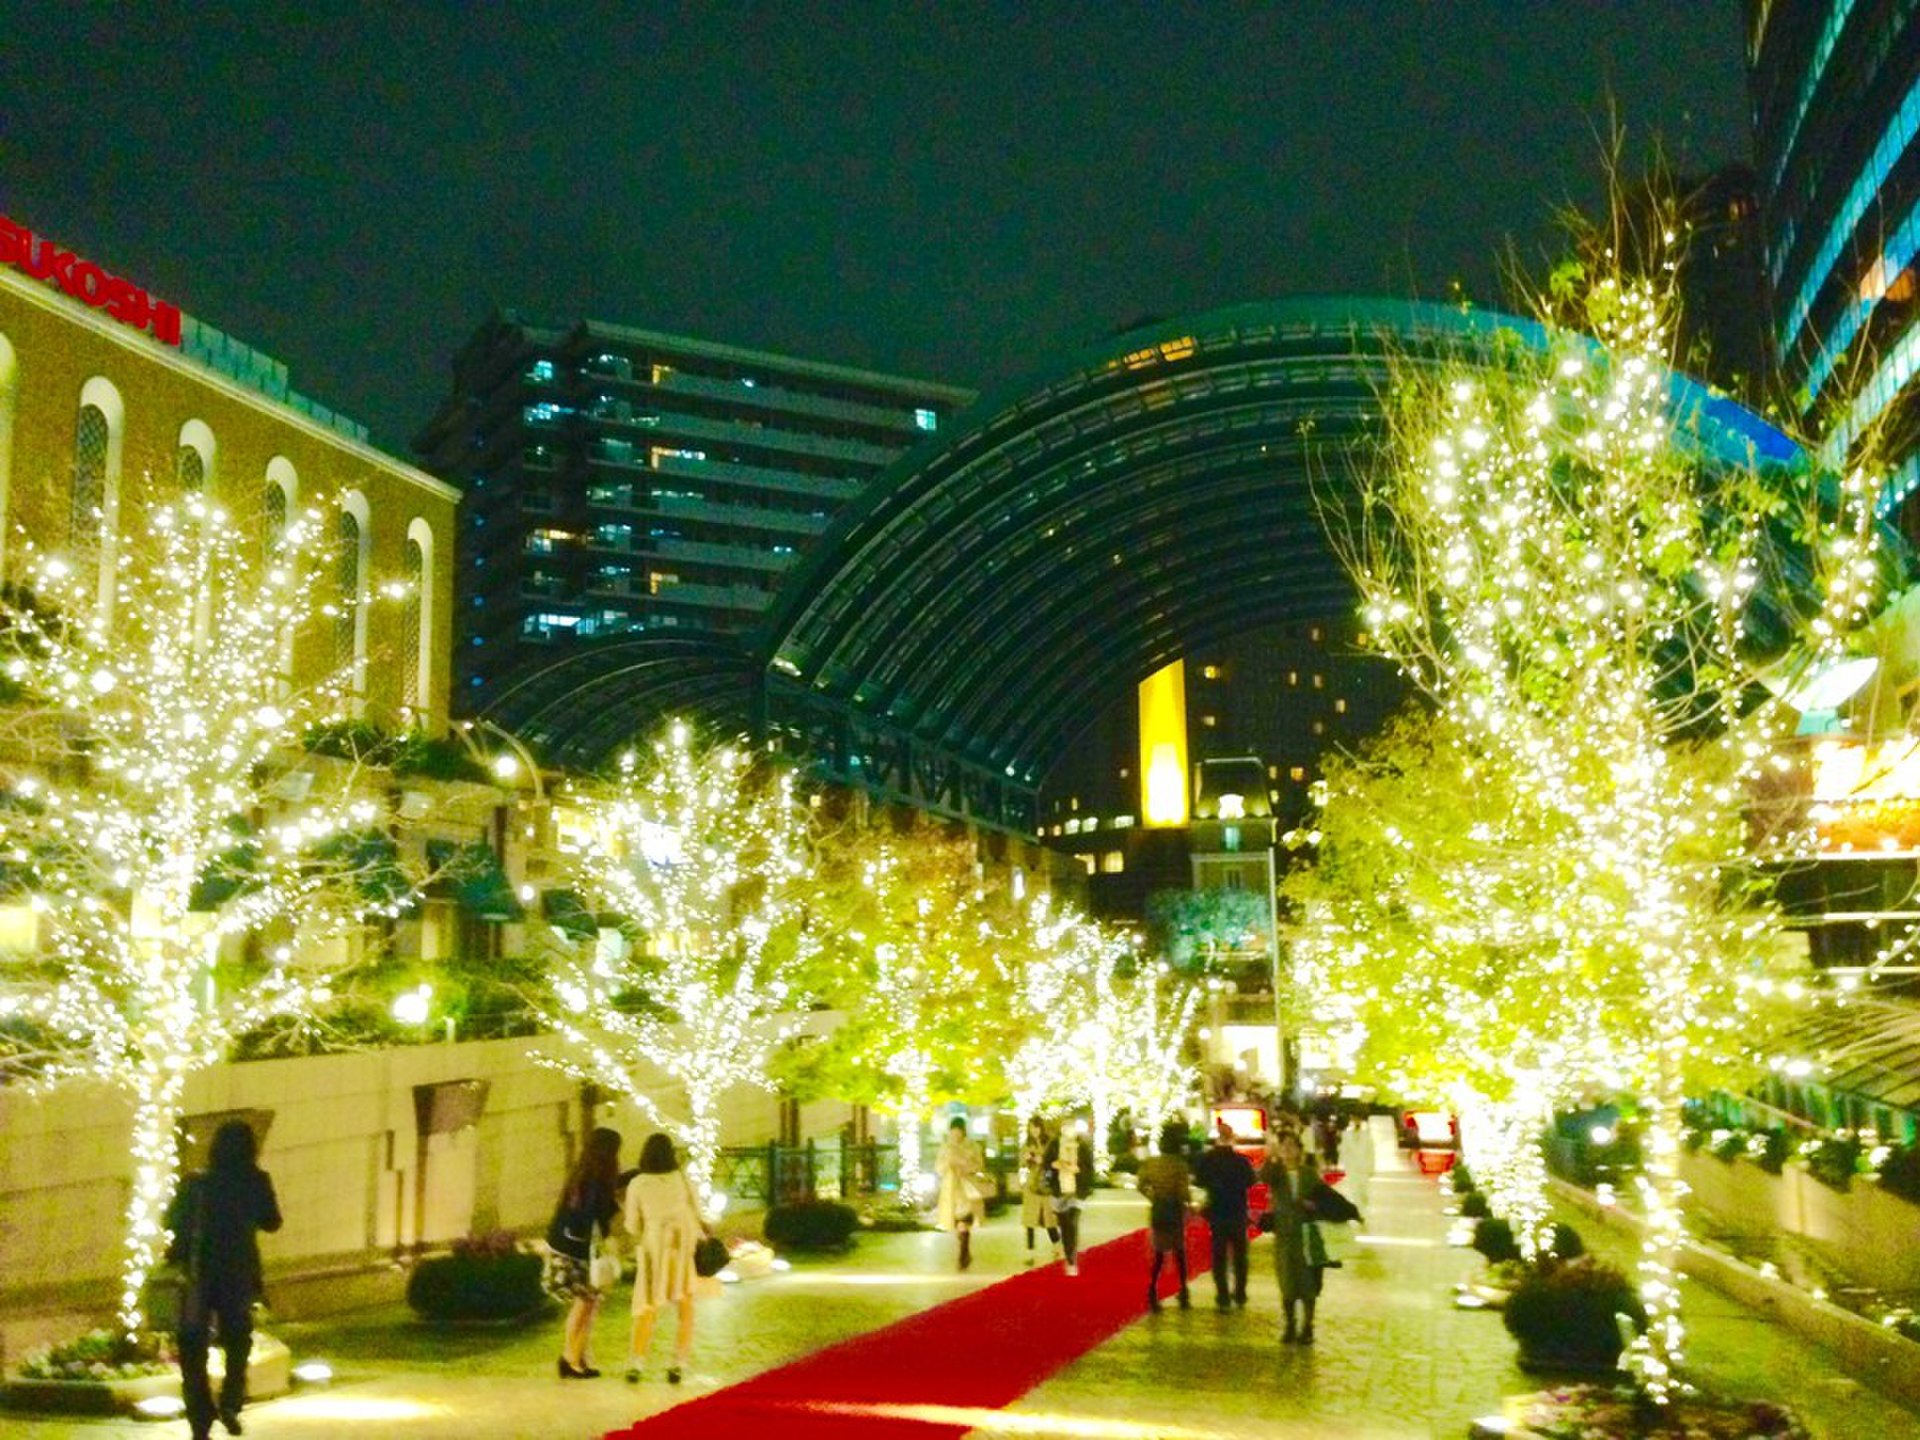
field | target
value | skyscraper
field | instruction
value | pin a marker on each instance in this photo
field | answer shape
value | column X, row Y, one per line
column 620, row 481
column 1835, row 89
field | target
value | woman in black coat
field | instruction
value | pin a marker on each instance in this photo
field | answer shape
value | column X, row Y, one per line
column 216, row 1219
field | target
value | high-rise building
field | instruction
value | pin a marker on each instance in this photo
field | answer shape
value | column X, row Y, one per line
column 1134, row 800
column 620, row 481
column 1835, row 89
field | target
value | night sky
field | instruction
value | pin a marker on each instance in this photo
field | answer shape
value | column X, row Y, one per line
column 955, row 191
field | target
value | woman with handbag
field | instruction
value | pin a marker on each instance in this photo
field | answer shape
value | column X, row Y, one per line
column 963, row 1194
column 216, row 1219
column 1301, row 1201
column 579, row 1270
column 1037, row 1210
column 1069, row 1166
column 668, row 1232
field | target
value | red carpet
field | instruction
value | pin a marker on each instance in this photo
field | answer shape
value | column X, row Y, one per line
column 980, row 1352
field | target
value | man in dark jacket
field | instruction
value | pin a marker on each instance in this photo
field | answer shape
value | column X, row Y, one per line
column 1226, row 1176
column 216, row 1219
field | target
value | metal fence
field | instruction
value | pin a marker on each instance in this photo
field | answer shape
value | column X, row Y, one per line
column 830, row 1169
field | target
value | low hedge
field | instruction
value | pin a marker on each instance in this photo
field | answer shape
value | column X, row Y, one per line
column 476, row 1285
column 811, row 1225
column 1493, row 1238
column 1474, row 1205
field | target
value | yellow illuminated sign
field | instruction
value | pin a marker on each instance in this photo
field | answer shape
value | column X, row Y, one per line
column 1163, row 746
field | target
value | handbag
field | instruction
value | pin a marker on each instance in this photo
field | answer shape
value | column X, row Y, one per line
column 163, row 1299
column 603, row 1270
column 710, row 1256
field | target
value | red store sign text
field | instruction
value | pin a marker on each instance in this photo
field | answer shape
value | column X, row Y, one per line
column 85, row 281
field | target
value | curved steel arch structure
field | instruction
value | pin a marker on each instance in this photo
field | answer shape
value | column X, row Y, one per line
column 994, row 589
column 989, row 595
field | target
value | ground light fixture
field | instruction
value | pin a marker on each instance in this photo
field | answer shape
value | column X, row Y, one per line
column 313, row 1372
column 160, row 1407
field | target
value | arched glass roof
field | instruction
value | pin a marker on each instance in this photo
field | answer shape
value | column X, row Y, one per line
column 992, row 592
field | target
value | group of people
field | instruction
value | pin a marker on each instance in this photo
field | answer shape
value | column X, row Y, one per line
column 1299, row 1201
column 1056, row 1177
column 664, row 1225
column 1057, row 1171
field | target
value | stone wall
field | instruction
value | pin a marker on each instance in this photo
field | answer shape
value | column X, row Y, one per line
column 1866, row 1234
column 356, row 1176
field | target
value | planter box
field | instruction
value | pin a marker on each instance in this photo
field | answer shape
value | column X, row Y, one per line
column 1602, row 1410
column 269, row 1373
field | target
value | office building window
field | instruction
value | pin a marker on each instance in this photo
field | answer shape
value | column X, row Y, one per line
column 89, row 475
column 1114, row 862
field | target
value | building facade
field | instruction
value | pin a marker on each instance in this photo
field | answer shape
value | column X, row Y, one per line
column 619, row 481
column 1835, row 92
column 98, row 418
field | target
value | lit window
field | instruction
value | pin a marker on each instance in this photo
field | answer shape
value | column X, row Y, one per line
column 1319, row 682
column 1090, row 824
column 1073, row 803
column 1125, row 773
column 1073, row 827
column 926, row 419
column 1230, row 842
column 1314, row 634
column 1293, row 677
column 1086, row 861
column 1339, row 707
column 1114, row 862
column 660, row 580
column 1297, row 773
column 1273, row 772
column 1210, row 672
column 541, row 372
column 1209, row 721
column 1122, row 822
column 1319, row 727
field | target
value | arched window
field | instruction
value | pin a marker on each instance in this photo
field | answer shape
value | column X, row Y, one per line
column 346, row 589
column 411, row 628
column 193, row 459
column 94, row 508
column 419, row 621
column 352, row 563
column 90, row 440
column 276, row 503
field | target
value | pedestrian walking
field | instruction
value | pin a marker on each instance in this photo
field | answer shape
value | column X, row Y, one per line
column 1069, row 1167
column 1166, row 1182
column 575, row 1241
column 664, row 1225
column 961, row 1168
column 1036, row 1190
column 1358, row 1160
column 216, row 1219
column 1301, row 1200
column 1226, row 1175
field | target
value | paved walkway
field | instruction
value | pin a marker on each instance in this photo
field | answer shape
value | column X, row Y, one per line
column 1394, row 1360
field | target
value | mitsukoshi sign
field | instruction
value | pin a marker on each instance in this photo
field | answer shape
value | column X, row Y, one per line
column 41, row 258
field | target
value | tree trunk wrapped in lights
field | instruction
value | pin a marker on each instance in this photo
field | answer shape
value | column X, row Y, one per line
column 706, row 854
column 147, row 820
column 1548, row 554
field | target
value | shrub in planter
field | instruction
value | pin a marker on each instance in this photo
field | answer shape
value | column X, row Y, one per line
column 97, row 1355
column 1900, row 1172
column 1834, row 1161
column 1493, row 1238
column 1462, row 1179
column 811, row 1225
column 1773, row 1151
column 894, row 1217
column 1563, row 1315
column 1730, row 1146
column 1564, row 1243
column 1474, row 1205
column 486, row 1277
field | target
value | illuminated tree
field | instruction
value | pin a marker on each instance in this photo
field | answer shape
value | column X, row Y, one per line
column 707, row 853
column 913, row 961
column 151, row 814
column 1547, row 554
column 1105, row 1031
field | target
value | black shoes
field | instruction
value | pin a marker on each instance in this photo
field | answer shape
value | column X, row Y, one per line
column 567, row 1372
column 673, row 1375
column 231, row 1419
column 1186, row 1300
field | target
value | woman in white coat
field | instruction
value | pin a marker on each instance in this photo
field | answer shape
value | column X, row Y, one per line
column 664, row 1224
column 963, row 1196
